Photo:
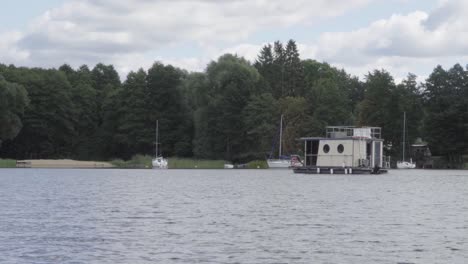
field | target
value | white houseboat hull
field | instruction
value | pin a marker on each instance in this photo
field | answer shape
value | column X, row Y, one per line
column 159, row 163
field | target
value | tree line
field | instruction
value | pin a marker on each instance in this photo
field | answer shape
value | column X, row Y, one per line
column 229, row 111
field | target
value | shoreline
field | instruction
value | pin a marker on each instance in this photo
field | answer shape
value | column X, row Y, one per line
column 63, row 164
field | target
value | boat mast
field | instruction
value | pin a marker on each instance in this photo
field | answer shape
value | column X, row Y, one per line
column 157, row 128
column 280, row 137
column 404, row 134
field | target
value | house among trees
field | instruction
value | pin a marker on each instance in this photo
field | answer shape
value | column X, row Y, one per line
column 421, row 154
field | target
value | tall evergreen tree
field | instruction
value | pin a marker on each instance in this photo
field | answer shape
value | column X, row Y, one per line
column 266, row 67
column 277, row 81
column 293, row 71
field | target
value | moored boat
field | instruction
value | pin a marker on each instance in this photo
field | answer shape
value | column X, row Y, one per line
column 345, row 150
column 282, row 161
column 402, row 164
column 159, row 162
column 279, row 163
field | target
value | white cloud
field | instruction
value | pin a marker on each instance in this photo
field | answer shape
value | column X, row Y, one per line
column 415, row 42
column 9, row 52
column 90, row 31
column 133, row 34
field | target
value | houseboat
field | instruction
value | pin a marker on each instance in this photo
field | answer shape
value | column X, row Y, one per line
column 345, row 150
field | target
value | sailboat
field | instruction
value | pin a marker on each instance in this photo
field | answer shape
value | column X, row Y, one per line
column 158, row 162
column 281, row 162
column 405, row 164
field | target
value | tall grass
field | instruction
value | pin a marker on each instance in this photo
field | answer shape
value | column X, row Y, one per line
column 137, row 162
column 7, row 163
column 178, row 163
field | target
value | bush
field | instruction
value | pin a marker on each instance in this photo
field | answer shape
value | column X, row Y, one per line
column 257, row 164
column 177, row 163
column 137, row 162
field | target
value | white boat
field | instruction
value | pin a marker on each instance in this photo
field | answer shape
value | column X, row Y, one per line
column 159, row 162
column 402, row 164
column 406, row 164
column 278, row 163
column 282, row 161
column 344, row 150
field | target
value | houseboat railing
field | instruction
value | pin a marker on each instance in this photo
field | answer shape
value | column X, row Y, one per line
column 349, row 131
column 363, row 163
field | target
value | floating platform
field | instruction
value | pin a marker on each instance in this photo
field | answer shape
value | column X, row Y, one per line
column 338, row 170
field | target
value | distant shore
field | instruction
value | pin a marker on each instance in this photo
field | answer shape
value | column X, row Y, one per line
column 137, row 162
column 62, row 163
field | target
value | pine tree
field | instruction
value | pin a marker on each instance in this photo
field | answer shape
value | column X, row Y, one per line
column 294, row 82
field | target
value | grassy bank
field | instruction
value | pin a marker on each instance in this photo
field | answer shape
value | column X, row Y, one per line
column 137, row 162
column 177, row 163
column 144, row 162
column 257, row 164
column 7, row 163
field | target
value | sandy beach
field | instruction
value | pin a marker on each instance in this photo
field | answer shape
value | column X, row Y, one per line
column 64, row 163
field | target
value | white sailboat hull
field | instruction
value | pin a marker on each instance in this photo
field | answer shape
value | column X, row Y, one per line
column 278, row 163
column 159, row 163
column 405, row 165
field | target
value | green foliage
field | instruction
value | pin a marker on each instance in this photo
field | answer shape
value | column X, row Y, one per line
column 165, row 103
column 84, row 97
column 297, row 122
column 219, row 132
column 294, row 81
column 48, row 121
column 261, row 119
column 231, row 111
column 257, row 164
column 7, row 163
column 446, row 119
column 282, row 69
column 13, row 101
column 136, row 162
column 178, row 163
column 331, row 95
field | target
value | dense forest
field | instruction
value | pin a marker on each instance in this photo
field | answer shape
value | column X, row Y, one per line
column 230, row 111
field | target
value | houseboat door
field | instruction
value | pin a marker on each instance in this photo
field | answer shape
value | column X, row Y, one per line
column 376, row 160
column 311, row 152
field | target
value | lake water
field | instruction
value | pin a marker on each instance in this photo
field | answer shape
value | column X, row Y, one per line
column 232, row 216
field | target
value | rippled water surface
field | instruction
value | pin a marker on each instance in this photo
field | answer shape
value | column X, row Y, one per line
column 232, row 216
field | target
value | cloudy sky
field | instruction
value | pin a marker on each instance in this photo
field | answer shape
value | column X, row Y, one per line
column 400, row 36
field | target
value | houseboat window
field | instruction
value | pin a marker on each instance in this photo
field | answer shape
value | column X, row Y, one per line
column 340, row 148
column 326, row 148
